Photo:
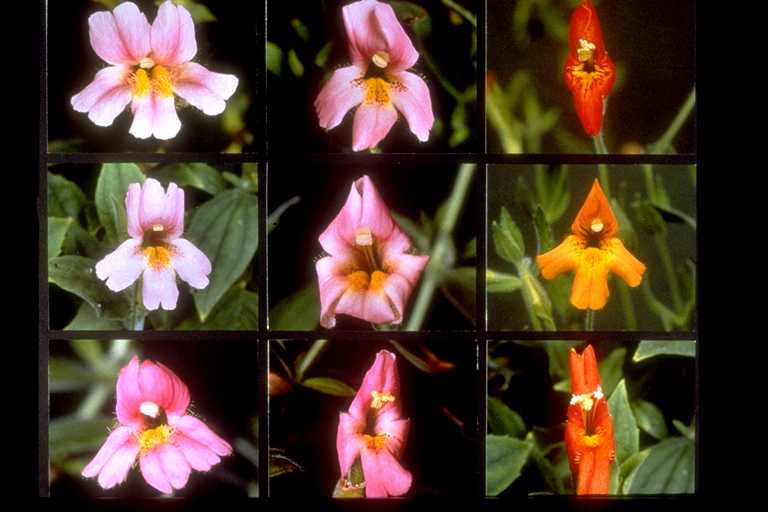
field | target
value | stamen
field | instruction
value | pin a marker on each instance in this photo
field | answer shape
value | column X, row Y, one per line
column 150, row 409
column 380, row 398
column 158, row 227
column 146, row 63
column 363, row 237
column 597, row 225
column 585, row 52
column 141, row 83
column 162, row 81
column 381, row 59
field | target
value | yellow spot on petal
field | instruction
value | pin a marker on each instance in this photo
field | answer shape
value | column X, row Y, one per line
column 377, row 280
column 141, row 84
column 377, row 91
column 379, row 399
column 376, row 442
column 592, row 441
column 358, row 280
column 161, row 79
column 158, row 257
column 150, row 438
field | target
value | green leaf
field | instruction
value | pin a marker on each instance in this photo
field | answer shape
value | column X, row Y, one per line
column 546, row 469
column 328, row 386
column 65, row 199
column 71, row 435
column 650, row 418
column 647, row 349
column 274, row 58
column 624, row 426
column 273, row 219
column 557, row 354
column 508, row 239
column 321, row 59
column 552, row 188
column 198, row 175
column 280, row 464
column 57, row 230
column 75, row 274
column 421, row 236
column 66, row 375
column 225, row 228
column 460, row 130
column 628, row 467
column 90, row 351
column 80, row 242
column 503, row 420
column 687, row 431
column 111, row 188
column 544, row 239
column 297, row 312
column 232, row 123
column 414, row 15
column 504, row 459
column 668, row 469
column 86, row 319
column 199, row 12
column 499, row 282
column 301, row 30
column 470, row 250
column 611, row 370
column 649, row 217
column 297, row 68
column 238, row 310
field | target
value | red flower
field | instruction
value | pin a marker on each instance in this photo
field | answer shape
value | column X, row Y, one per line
column 589, row 71
column 589, row 427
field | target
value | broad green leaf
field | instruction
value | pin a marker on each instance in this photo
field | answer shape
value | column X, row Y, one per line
column 552, row 185
column 198, row 175
column 612, row 369
column 650, row 418
column 503, row 420
column 499, row 282
column 507, row 238
column 86, row 319
column 80, row 242
column 57, row 230
column 225, row 228
column 504, row 460
column 547, row 471
column 647, row 349
column 328, row 386
column 65, row 199
column 238, row 310
column 273, row 219
column 71, row 435
column 297, row 312
column 411, row 357
column 274, row 58
column 198, row 10
column 111, row 188
column 75, row 274
column 627, row 468
column 624, row 426
column 668, row 469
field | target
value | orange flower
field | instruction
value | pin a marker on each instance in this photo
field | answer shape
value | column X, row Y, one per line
column 589, row 71
column 593, row 251
column 589, row 428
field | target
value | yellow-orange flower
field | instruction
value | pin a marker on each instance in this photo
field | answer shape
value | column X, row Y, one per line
column 592, row 251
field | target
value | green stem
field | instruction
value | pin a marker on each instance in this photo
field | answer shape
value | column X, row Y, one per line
column 462, row 11
column 628, row 306
column 440, row 248
column 312, row 354
column 448, row 86
column 602, row 169
column 498, row 118
column 94, row 400
column 665, row 141
column 137, row 319
column 527, row 287
column 662, row 246
column 589, row 320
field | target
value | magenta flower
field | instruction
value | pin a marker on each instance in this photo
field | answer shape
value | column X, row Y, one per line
column 151, row 408
column 155, row 250
column 148, row 65
column 374, row 431
column 377, row 80
column 367, row 274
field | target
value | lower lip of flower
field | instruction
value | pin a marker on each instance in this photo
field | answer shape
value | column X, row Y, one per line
column 150, row 438
column 375, row 442
column 589, row 74
column 158, row 80
column 158, row 257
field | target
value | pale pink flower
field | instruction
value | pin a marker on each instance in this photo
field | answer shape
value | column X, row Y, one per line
column 377, row 80
column 374, row 431
column 368, row 273
column 155, row 427
column 155, row 250
column 148, row 65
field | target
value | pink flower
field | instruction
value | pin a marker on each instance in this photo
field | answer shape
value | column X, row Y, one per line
column 151, row 408
column 374, row 431
column 148, row 65
column 368, row 274
column 377, row 80
column 155, row 249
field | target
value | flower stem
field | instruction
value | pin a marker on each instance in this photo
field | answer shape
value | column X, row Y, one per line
column 438, row 259
column 137, row 319
column 665, row 141
column 314, row 351
column 662, row 246
column 589, row 320
column 602, row 169
column 462, row 11
column 628, row 306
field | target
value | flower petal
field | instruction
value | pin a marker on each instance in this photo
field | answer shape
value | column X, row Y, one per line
column 374, row 214
column 625, row 265
column 585, row 376
column 596, row 207
column 105, row 97
column 338, row 239
column 590, row 284
column 348, row 440
column 205, row 89
column 368, row 306
column 407, row 266
column 152, row 209
column 173, row 216
column 190, row 263
column 562, row 258
column 384, row 476
column 133, row 211
column 120, row 36
column 129, row 396
column 381, row 377
column 175, row 466
column 109, row 461
column 343, row 91
column 199, row 456
column 122, row 266
column 397, row 290
column 412, row 99
column 173, row 35
column 159, row 288
column 371, row 124
column 373, row 26
column 154, row 114
column 396, row 430
column 158, row 384
column 332, row 284
column 152, row 470
column 198, row 431
column 401, row 51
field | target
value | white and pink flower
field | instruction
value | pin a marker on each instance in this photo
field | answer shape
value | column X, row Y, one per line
column 155, row 250
column 377, row 80
column 155, row 428
column 149, row 65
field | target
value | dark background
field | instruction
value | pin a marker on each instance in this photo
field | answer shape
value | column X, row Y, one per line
column 652, row 43
column 291, row 115
column 442, row 456
column 507, row 311
column 407, row 189
column 222, row 377
column 231, row 44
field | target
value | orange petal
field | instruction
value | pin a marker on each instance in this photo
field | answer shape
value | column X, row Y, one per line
column 624, row 264
column 562, row 258
column 595, row 207
column 590, row 284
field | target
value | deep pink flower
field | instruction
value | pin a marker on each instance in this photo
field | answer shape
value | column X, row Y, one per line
column 155, row 250
column 377, row 80
column 148, row 65
column 155, row 427
column 374, row 431
column 368, row 274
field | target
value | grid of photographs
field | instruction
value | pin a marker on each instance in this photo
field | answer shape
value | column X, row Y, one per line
column 369, row 249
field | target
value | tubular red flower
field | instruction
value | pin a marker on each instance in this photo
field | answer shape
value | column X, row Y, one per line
column 154, row 426
column 373, row 430
column 589, row 438
column 589, row 71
